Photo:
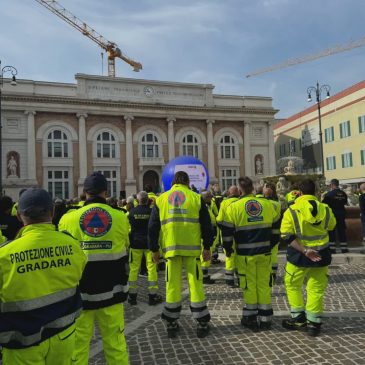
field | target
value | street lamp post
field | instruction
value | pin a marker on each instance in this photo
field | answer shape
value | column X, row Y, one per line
column 13, row 72
column 318, row 91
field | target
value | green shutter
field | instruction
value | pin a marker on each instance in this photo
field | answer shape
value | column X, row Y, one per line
column 359, row 119
column 350, row 159
column 349, row 128
column 326, row 136
column 362, row 153
column 334, row 162
column 341, row 134
column 343, row 160
column 327, row 164
column 332, row 134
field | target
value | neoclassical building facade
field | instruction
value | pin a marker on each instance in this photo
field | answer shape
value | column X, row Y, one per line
column 55, row 134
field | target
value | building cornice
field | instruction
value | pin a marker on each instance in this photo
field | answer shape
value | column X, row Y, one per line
column 77, row 102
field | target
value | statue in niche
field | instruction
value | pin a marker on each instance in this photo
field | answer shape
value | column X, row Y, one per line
column 13, row 165
column 259, row 165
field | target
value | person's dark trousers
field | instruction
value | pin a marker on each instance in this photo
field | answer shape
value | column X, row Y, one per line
column 341, row 234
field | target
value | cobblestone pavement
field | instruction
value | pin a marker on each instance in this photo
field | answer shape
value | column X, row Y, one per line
column 341, row 342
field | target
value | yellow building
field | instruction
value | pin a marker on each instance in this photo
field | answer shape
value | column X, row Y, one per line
column 343, row 134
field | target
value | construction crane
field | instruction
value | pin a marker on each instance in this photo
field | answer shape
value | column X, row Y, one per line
column 110, row 47
column 327, row 52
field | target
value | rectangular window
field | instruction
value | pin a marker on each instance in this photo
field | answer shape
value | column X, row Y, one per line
column 346, row 159
column 362, row 124
column 111, row 176
column 331, row 163
column 292, row 146
column 329, row 134
column 345, row 130
column 282, row 150
column 58, row 183
column 229, row 177
column 362, row 154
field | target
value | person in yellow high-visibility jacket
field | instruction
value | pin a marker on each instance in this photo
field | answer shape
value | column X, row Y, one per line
column 249, row 222
column 183, row 220
column 304, row 228
column 103, row 235
column 40, row 299
column 212, row 210
column 269, row 192
column 230, row 266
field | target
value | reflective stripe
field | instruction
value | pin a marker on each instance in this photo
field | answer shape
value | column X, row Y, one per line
column 296, row 222
column 265, row 318
column 299, row 232
column 201, row 314
column 265, row 306
column 173, row 305
column 318, row 248
column 250, row 306
column 227, row 224
column 152, row 283
column 133, row 290
column 27, row 305
column 242, row 246
column 229, row 272
column 6, row 337
column 180, row 219
column 105, row 256
column 227, row 239
column 198, row 304
column 173, row 315
column 105, row 296
column 250, row 312
column 327, row 218
column 253, row 226
column 181, row 247
column 313, row 238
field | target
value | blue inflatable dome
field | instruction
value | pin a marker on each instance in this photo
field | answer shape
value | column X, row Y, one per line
column 195, row 168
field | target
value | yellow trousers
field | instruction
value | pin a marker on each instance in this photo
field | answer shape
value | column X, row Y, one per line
column 230, row 267
column 317, row 281
column 255, row 279
column 56, row 350
column 274, row 258
column 173, row 275
column 110, row 321
column 135, row 258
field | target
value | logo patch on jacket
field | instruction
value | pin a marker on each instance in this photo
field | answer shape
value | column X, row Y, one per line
column 177, row 198
column 95, row 222
column 254, row 209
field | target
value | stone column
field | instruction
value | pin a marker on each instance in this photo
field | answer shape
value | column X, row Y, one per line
column 247, row 148
column 82, row 150
column 272, row 159
column 171, row 137
column 211, row 162
column 31, row 161
column 130, row 182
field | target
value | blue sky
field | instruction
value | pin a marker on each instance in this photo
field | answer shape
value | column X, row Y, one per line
column 203, row 41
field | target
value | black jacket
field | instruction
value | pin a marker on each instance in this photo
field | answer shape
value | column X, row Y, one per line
column 138, row 219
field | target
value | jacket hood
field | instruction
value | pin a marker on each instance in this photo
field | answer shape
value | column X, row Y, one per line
column 310, row 208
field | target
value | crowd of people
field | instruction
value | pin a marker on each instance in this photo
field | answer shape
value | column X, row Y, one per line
column 65, row 266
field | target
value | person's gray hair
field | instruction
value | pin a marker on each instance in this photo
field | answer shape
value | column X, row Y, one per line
column 130, row 200
column 142, row 197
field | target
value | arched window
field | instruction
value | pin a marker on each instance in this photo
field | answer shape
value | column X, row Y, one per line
column 227, row 147
column 190, row 145
column 57, row 144
column 105, row 145
column 150, row 145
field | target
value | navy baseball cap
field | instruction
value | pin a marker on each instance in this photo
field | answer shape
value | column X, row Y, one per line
column 35, row 202
column 95, row 183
